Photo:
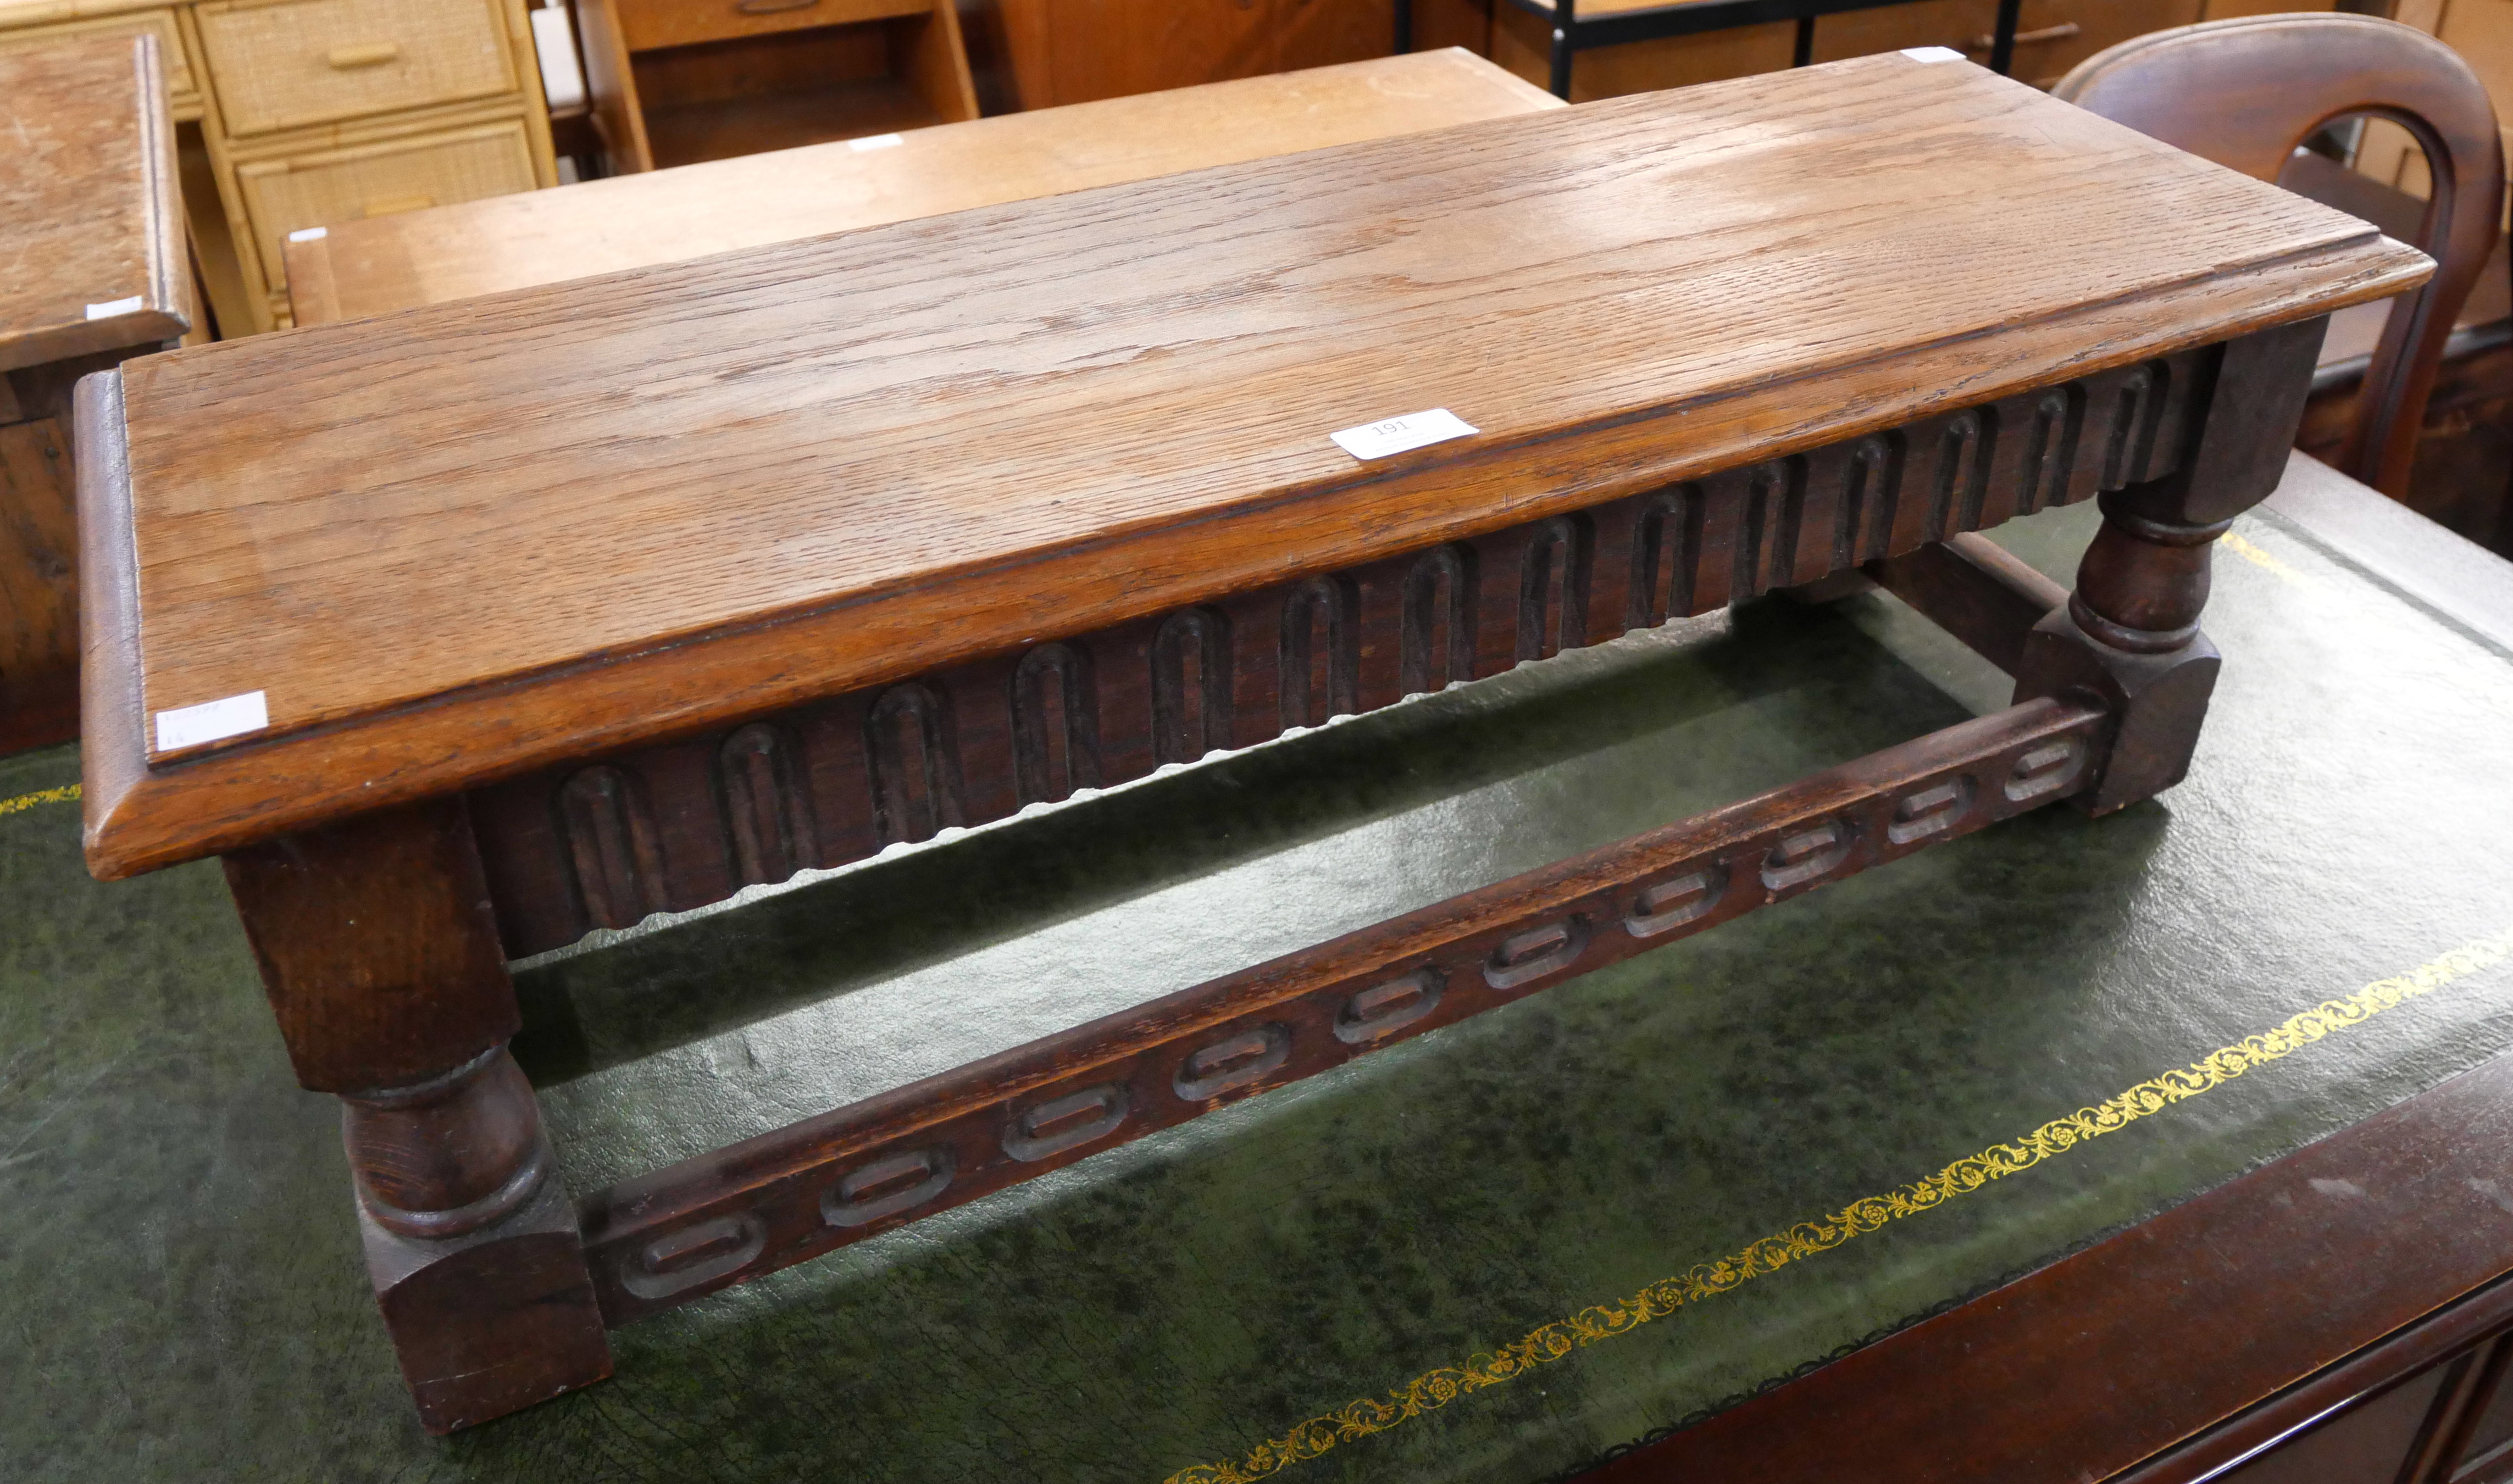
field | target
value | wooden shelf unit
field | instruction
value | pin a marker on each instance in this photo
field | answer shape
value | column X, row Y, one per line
column 677, row 82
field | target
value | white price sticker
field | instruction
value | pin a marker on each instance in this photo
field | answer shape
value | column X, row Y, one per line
column 117, row 307
column 1395, row 435
column 1933, row 53
column 875, row 141
column 211, row 721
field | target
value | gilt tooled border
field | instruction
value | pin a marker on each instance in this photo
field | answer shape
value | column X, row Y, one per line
column 1563, row 1338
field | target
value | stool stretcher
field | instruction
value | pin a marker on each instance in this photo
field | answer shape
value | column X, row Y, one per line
column 790, row 1195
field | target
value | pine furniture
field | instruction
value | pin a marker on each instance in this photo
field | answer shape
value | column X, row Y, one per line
column 93, row 269
column 521, row 617
column 375, row 267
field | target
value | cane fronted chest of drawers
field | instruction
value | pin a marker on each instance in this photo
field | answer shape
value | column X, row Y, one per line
column 516, row 618
column 314, row 111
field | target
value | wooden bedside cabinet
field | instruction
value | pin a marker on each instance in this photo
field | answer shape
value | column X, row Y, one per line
column 676, row 82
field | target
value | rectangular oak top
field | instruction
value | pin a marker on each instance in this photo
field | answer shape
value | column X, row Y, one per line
column 91, row 242
column 399, row 262
column 451, row 544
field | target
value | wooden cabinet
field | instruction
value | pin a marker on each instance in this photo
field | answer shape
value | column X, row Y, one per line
column 1112, row 48
column 676, row 82
column 298, row 113
column 648, row 26
column 1077, row 51
column 1318, row 33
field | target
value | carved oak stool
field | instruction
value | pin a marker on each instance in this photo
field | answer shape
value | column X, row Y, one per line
column 464, row 631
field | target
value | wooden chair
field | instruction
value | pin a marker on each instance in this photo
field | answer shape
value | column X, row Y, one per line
column 2246, row 93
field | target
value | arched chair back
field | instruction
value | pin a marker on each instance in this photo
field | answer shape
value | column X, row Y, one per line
column 2246, row 93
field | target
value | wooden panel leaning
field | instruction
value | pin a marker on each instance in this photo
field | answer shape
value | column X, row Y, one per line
column 545, row 612
column 93, row 269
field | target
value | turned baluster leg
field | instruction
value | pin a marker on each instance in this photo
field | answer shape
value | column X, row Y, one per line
column 2129, row 633
column 382, row 961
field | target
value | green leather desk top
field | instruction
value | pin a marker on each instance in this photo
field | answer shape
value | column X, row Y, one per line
column 1866, row 1103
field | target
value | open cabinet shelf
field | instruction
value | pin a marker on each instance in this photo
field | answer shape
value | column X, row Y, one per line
column 669, row 86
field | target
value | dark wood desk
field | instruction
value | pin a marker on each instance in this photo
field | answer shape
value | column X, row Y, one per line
column 522, row 617
column 2343, row 1316
column 92, row 268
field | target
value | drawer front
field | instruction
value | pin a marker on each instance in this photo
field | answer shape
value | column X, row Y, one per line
column 282, row 197
column 648, row 26
column 179, row 84
column 296, row 63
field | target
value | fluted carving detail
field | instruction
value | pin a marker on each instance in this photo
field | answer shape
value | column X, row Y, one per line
column 674, row 828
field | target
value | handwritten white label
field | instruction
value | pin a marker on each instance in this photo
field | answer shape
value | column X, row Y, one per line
column 1394, row 435
column 112, row 308
column 1933, row 53
column 310, row 234
column 211, row 721
column 875, row 141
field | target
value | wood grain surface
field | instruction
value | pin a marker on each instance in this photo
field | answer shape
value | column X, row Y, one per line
column 484, row 536
column 92, row 217
column 384, row 263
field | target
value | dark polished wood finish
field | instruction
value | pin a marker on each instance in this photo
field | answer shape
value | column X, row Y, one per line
column 790, row 1195
column 2292, row 1433
column 602, row 843
column 1973, row 589
column 422, row 985
column 2307, row 1273
column 2129, row 633
column 914, row 478
column 2246, row 92
column 379, row 956
column 995, row 551
column 93, row 270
